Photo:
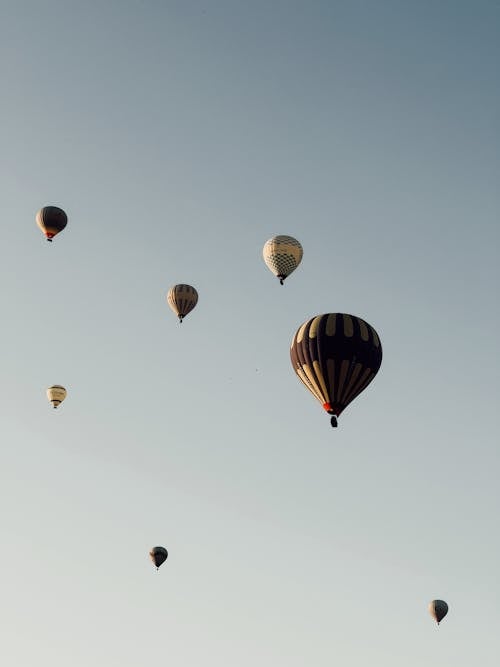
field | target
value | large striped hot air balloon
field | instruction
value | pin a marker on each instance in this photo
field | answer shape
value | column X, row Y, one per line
column 438, row 610
column 282, row 254
column 336, row 356
column 182, row 299
column 51, row 221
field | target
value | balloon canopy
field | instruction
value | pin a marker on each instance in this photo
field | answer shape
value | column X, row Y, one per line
column 56, row 394
column 182, row 299
column 51, row 221
column 438, row 610
column 336, row 356
column 282, row 254
column 158, row 555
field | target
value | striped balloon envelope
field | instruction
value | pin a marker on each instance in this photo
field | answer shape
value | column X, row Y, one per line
column 336, row 356
column 282, row 255
column 182, row 299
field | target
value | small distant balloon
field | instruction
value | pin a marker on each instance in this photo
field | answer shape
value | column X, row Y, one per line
column 282, row 254
column 158, row 555
column 51, row 220
column 438, row 610
column 182, row 299
column 56, row 394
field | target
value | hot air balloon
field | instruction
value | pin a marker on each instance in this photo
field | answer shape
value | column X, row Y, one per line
column 182, row 299
column 336, row 356
column 51, row 221
column 438, row 610
column 282, row 254
column 56, row 394
column 158, row 555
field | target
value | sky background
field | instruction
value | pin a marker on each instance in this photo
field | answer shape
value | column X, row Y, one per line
column 179, row 136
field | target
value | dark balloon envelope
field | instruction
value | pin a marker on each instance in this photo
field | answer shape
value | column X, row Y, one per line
column 336, row 356
column 438, row 610
column 51, row 221
column 158, row 555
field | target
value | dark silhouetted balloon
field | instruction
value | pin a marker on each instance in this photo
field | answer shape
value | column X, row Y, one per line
column 158, row 555
column 336, row 356
column 438, row 610
column 51, row 221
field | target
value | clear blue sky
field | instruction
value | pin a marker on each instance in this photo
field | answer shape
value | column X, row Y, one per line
column 179, row 136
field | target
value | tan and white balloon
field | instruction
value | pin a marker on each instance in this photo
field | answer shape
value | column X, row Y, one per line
column 282, row 254
column 182, row 299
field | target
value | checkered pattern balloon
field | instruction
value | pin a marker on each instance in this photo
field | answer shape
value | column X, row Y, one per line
column 282, row 254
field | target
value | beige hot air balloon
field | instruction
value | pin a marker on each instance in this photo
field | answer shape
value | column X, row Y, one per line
column 182, row 299
column 56, row 394
column 282, row 254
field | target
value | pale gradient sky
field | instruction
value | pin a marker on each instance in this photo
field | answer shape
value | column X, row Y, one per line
column 179, row 136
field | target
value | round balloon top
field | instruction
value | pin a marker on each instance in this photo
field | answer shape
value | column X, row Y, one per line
column 158, row 555
column 336, row 356
column 282, row 254
column 182, row 299
column 438, row 610
column 51, row 221
column 56, row 394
